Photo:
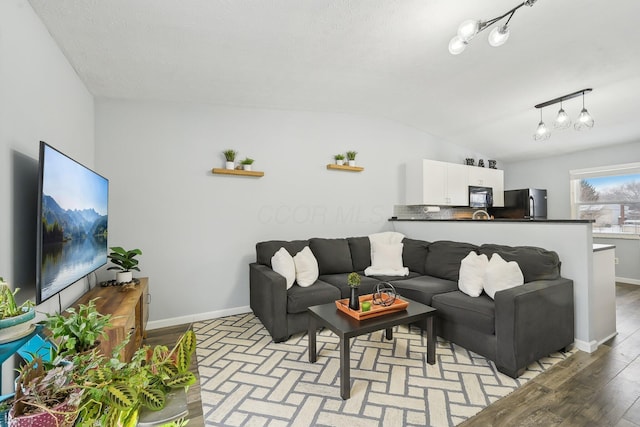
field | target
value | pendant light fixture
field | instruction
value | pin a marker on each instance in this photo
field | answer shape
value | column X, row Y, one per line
column 562, row 119
column 584, row 122
column 471, row 27
column 542, row 133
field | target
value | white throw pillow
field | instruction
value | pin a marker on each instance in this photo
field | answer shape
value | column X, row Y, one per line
column 282, row 263
column 386, row 256
column 472, row 272
column 501, row 275
column 306, row 267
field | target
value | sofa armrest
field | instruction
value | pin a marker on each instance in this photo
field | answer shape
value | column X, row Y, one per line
column 532, row 321
column 268, row 299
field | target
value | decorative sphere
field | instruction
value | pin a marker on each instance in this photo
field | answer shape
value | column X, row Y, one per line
column 385, row 294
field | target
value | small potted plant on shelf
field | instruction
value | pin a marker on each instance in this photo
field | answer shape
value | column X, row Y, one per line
column 246, row 163
column 124, row 261
column 339, row 158
column 15, row 320
column 230, row 156
column 353, row 279
column 351, row 157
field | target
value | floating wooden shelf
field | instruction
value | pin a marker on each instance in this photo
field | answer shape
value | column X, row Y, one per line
column 237, row 172
column 345, row 167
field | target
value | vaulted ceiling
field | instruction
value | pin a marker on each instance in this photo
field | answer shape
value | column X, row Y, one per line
column 383, row 58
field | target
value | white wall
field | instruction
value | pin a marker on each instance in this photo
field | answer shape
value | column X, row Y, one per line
column 198, row 231
column 41, row 98
column 553, row 174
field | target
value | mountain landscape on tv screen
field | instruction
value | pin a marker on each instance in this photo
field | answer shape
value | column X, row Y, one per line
column 60, row 225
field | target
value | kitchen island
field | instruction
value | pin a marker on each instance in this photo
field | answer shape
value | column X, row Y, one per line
column 571, row 239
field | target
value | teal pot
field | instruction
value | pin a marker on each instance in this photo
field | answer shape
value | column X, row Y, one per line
column 13, row 328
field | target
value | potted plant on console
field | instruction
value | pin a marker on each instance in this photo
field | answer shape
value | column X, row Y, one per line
column 124, row 261
column 354, row 282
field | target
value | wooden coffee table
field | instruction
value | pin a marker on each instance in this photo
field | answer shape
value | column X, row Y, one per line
column 346, row 327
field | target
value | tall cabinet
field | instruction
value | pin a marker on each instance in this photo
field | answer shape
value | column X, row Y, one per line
column 432, row 182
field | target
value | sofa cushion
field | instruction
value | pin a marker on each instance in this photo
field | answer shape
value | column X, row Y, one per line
column 472, row 274
column 299, row 298
column 475, row 313
column 535, row 263
column 266, row 250
column 423, row 288
column 444, row 258
column 360, row 248
column 414, row 254
column 367, row 284
column 501, row 275
column 282, row 263
column 306, row 267
column 333, row 255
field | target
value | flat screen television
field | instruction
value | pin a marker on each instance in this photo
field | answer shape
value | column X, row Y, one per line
column 72, row 222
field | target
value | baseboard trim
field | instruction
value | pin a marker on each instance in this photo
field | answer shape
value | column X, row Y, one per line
column 627, row 280
column 589, row 347
column 608, row 338
column 157, row 324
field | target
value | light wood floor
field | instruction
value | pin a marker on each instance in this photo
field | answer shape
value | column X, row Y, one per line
column 599, row 389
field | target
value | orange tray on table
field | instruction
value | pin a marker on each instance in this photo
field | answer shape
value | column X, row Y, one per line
column 374, row 311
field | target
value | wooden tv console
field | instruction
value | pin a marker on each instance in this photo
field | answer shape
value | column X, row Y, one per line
column 129, row 309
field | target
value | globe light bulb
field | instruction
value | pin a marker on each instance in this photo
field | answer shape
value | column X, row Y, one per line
column 468, row 29
column 457, row 45
column 562, row 120
column 542, row 133
column 585, row 121
column 499, row 35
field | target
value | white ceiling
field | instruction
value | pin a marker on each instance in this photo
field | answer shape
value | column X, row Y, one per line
column 384, row 58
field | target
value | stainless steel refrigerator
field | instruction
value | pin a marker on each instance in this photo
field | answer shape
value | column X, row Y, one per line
column 526, row 203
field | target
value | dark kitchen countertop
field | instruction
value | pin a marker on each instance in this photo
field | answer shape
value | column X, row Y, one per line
column 502, row 220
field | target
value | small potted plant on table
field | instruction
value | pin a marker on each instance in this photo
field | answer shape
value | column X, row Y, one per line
column 351, row 157
column 124, row 261
column 354, row 282
column 230, row 156
column 339, row 158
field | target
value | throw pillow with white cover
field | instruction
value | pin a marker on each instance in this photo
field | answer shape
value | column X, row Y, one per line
column 501, row 275
column 386, row 237
column 472, row 274
column 282, row 263
column 386, row 260
column 307, row 271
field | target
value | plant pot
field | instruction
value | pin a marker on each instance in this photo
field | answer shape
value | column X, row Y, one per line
column 61, row 415
column 352, row 162
column 354, row 301
column 246, row 167
column 124, row 277
column 13, row 328
column 339, row 162
column 230, row 165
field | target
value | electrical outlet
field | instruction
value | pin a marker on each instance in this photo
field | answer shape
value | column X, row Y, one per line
column 616, row 260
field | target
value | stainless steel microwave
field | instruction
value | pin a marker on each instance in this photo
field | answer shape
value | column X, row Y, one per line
column 480, row 197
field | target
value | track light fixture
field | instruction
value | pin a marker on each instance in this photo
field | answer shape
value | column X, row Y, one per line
column 584, row 122
column 471, row 27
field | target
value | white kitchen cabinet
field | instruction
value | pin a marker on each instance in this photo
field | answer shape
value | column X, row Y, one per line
column 430, row 182
column 486, row 177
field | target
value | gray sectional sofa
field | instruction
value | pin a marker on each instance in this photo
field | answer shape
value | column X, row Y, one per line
column 521, row 325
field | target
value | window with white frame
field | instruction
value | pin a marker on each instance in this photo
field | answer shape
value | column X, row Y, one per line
column 608, row 195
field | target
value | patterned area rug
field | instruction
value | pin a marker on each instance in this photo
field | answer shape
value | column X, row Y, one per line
column 247, row 380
